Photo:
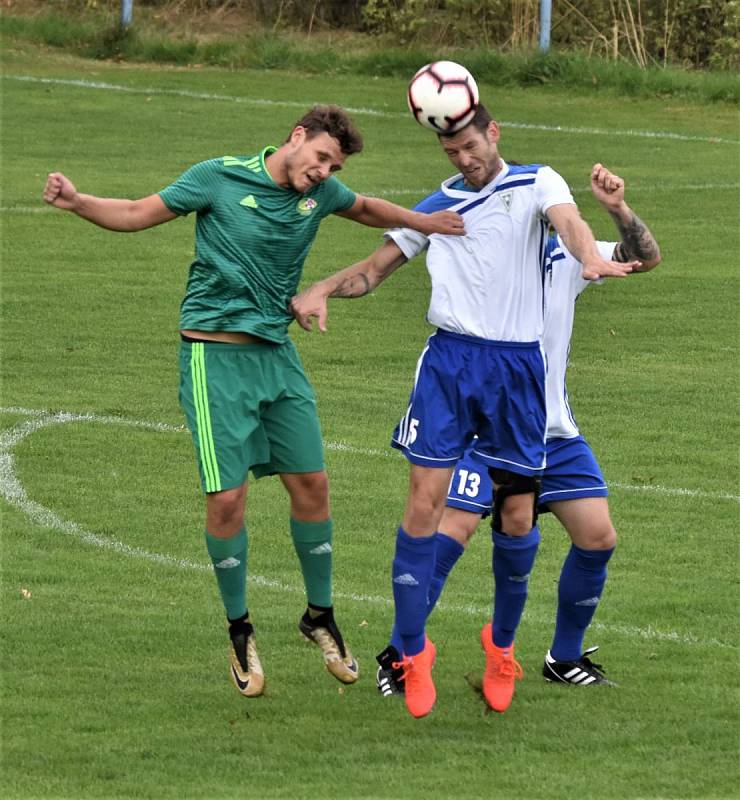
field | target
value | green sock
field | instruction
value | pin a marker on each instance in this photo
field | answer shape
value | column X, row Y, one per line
column 229, row 557
column 312, row 542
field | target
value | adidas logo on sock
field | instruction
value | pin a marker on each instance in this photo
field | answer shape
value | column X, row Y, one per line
column 407, row 579
column 591, row 601
column 322, row 549
column 228, row 563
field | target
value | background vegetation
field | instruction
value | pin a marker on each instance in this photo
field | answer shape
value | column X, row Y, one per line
column 631, row 47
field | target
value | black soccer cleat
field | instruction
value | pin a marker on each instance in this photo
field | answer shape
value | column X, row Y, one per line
column 582, row 672
column 323, row 631
column 245, row 667
column 389, row 679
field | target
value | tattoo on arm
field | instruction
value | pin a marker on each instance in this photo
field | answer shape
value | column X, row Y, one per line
column 637, row 241
column 356, row 286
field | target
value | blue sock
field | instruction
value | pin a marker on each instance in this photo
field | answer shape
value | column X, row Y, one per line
column 447, row 551
column 513, row 559
column 412, row 573
column 581, row 583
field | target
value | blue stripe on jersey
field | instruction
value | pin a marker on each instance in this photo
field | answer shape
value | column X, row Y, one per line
column 524, row 169
column 438, row 201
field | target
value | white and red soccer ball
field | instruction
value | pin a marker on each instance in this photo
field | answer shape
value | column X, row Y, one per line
column 443, row 96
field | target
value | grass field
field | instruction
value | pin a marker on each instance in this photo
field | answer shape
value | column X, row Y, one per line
column 113, row 651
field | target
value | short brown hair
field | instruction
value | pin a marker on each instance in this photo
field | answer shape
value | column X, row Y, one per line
column 480, row 121
column 336, row 122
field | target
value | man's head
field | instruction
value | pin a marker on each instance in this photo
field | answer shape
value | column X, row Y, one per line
column 319, row 145
column 473, row 150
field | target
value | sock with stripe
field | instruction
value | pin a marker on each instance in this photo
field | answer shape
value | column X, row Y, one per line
column 581, row 583
column 229, row 557
column 313, row 545
column 513, row 560
column 447, row 551
column 413, row 566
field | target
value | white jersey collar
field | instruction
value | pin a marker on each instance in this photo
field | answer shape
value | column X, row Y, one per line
column 462, row 194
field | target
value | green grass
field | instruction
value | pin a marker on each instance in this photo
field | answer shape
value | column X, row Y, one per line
column 95, row 33
column 114, row 678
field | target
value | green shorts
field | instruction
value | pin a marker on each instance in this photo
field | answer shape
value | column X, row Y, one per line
column 248, row 407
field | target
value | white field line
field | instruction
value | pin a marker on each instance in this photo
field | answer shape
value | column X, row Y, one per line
column 260, row 101
column 14, row 493
column 418, row 194
column 340, row 447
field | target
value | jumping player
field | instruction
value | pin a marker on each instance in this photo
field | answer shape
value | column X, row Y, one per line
column 246, row 398
column 572, row 488
column 482, row 373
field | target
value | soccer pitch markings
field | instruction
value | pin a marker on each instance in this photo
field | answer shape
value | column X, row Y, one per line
column 13, row 492
column 260, row 101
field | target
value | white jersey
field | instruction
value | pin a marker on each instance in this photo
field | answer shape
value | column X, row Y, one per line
column 564, row 283
column 489, row 282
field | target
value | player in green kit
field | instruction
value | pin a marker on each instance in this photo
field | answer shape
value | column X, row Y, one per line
column 247, row 400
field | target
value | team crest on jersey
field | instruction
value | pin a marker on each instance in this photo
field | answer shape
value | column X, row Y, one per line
column 506, row 198
column 306, row 206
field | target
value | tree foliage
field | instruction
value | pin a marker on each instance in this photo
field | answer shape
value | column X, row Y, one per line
column 695, row 33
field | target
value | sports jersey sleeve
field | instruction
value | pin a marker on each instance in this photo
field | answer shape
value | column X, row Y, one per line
column 338, row 197
column 551, row 190
column 194, row 189
column 606, row 250
column 410, row 242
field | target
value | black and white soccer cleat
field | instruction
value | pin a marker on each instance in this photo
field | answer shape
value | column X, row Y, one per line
column 389, row 679
column 582, row 672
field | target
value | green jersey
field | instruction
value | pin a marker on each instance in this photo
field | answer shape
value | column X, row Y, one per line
column 251, row 239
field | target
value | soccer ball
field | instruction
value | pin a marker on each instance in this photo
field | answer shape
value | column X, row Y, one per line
column 443, row 96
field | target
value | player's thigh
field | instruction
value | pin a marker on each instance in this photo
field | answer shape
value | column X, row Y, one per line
column 291, row 421
column 511, row 409
column 587, row 521
column 221, row 401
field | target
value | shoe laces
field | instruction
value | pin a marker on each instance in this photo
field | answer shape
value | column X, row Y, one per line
column 506, row 666
column 405, row 666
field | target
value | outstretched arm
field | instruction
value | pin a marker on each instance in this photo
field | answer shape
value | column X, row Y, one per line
column 637, row 240
column 379, row 213
column 108, row 212
column 579, row 240
column 355, row 281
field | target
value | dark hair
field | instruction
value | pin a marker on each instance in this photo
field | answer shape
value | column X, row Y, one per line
column 480, row 121
column 336, row 122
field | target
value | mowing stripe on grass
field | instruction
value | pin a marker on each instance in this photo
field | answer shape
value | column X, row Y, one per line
column 259, row 101
column 14, row 493
column 59, row 417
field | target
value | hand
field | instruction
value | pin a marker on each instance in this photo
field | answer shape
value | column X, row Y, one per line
column 449, row 223
column 60, row 191
column 607, row 187
column 597, row 268
column 309, row 304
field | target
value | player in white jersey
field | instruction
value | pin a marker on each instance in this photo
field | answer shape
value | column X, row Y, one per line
column 482, row 373
column 573, row 487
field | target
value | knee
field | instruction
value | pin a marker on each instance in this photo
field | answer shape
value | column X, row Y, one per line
column 225, row 509
column 517, row 518
column 309, row 494
column 600, row 537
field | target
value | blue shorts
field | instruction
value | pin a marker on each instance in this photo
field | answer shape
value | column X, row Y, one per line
column 571, row 472
column 467, row 386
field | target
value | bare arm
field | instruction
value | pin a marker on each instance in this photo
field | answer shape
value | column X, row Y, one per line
column 107, row 212
column 379, row 213
column 354, row 281
column 579, row 240
column 637, row 240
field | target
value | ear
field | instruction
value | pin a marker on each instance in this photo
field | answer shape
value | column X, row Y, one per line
column 298, row 136
column 493, row 133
